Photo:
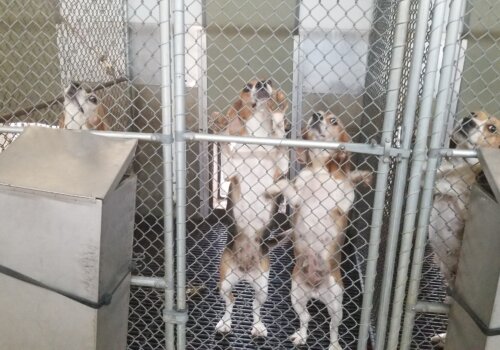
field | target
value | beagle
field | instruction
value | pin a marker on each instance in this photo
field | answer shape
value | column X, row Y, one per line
column 259, row 112
column 454, row 179
column 322, row 195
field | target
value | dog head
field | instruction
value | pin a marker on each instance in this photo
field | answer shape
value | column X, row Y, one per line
column 324, row 126
column 82, row 110
column 479, row 129
column 257, row 92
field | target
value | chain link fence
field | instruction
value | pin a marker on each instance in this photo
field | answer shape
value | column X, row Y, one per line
column 352, row 61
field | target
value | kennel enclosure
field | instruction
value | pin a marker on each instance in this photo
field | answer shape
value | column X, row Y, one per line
column 399, row 74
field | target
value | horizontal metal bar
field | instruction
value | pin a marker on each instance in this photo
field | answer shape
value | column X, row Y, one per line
column 431, row 308
column 458, row 153
column 151, row 282
column 350, row 147
column 151, row 137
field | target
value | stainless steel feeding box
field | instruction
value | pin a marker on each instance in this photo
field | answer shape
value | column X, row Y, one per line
column 474, row 321
column 66, row 229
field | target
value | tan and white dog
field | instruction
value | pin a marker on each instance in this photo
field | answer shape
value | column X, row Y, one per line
column 454, row 180
column 322, row 196
column 81, row 110
column 251, row 169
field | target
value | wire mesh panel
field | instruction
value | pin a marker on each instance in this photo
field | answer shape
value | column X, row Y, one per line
column 305, row 58
column 470, row 122
column 280, row 235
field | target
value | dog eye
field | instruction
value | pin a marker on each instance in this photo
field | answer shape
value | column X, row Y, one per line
column 247, row 88
column 334, row 121
column 92, row 99
column 491, row 128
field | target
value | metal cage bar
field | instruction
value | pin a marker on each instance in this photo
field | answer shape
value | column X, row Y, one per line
column 402, row 169
column 419, row 157
column 396, row 69
column 452, row 35
column 168, row 205
column 180, row 159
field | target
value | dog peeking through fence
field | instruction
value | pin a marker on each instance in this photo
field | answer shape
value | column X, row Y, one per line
column 81, row 110
column 321, row 196
column 454, row 180
column 259, row 111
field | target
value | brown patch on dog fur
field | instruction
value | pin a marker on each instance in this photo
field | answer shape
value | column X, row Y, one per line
column 97, row 121
column 226, row 262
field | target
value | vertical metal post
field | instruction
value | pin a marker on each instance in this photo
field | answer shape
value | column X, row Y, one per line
column 452, row 36
column 180, row 159
column 401, row 171
column 203, row 159
column 419, row 157
column 394, row 84
column 296, row 103
column 168, row 208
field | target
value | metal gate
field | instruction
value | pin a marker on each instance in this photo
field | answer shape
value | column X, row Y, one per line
column 397, row 74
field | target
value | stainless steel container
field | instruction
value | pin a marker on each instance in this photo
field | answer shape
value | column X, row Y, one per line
column 474, row 321
column 66, row 229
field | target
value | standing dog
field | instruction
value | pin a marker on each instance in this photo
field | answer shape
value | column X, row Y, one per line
column 322, row 196
column 82, row 110
column 453, row 188
column 258, row 112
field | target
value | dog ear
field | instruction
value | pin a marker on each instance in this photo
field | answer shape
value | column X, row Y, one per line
column 344, row 137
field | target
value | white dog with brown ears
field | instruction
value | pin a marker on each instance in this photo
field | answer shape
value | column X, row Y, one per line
column 251, row 169
column 454, row 180
column 82, row 110
column 322, row 196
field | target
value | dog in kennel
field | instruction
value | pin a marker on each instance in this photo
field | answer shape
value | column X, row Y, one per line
column 259, row 111
column 81, row 110
column 321, row 196
column 454, row 180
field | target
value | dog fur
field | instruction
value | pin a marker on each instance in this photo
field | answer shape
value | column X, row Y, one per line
column 322, row 196
column 258, row 112
column 82, row 110
column 455, row 178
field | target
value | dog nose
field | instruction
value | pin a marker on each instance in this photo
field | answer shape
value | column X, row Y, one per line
column 467, row 123
column 316, row 118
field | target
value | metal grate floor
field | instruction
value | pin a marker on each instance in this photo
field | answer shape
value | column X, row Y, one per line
column 205, row 242
column 206, row 307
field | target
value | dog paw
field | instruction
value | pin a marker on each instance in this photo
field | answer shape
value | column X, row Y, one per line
column 298, row 338
column 278, row 103
column 439, row 340
column 223, row 327
column 335, row 346
column 259, row 330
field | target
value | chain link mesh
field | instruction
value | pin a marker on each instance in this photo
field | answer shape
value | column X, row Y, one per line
column 324, row 56
column 472, row 90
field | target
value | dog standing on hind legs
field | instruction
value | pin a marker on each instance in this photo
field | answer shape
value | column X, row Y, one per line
column 258, row 112
column 321, row 196
column 454, row 181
